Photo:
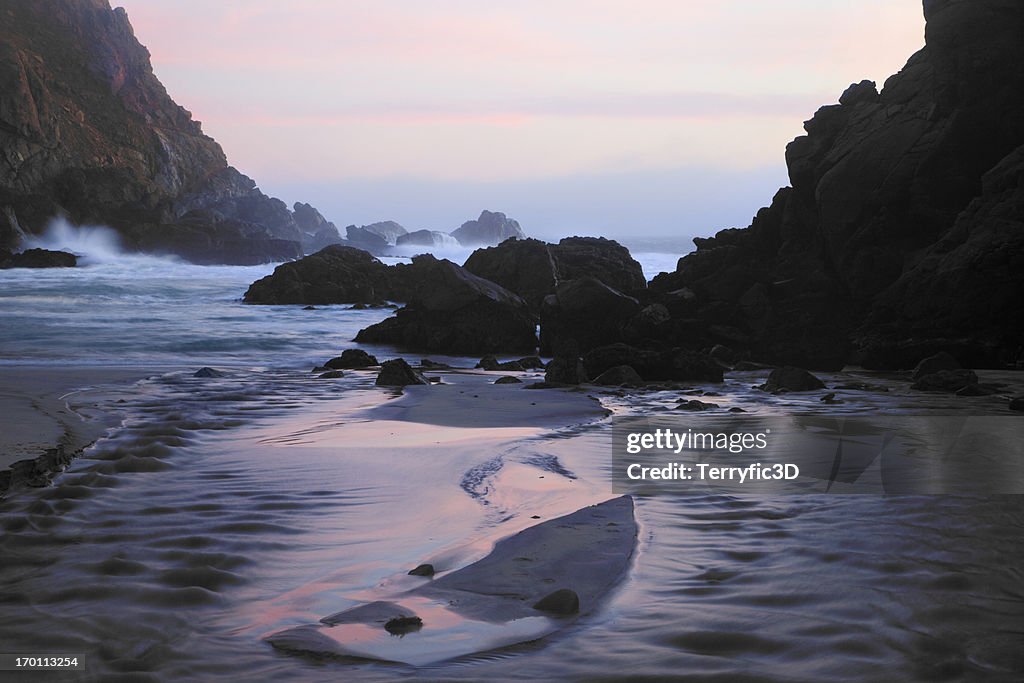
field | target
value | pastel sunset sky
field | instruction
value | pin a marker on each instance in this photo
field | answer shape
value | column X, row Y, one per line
column 649, row 117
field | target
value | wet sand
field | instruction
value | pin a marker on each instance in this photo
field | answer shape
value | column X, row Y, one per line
column 47, row 408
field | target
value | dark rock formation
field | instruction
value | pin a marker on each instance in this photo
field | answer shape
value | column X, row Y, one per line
column 352, row 359
column 207, row 373
column 508, row 379
column 1017, row 404
column 389, row 230
column 492, row 363
column 398, row 373
column 331, row 374
column 671, row 364
column 935, row 363
column 426, row 238
column 789, row 378
column 533, row 269
column 422, row 570
column 38, row 258
column 904, row 225
column 89, row 133
column 586, row 311
column 950, row 381
column 334, row 275
column 565, row 370
column 619, row 376
column 693, row 405
column 524, row 266
column 451, row 310
column 563, row 602
column 604, row 259
column 489, row 229
column 361, row 238
column 316, row 231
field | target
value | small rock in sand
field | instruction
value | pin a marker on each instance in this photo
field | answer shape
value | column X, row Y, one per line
column 508, row 379
column 208, row 372
column 791, row 379
column 931, row 364
column 398, row 373
column 351, row 359
column 562, row 602
column 401, row 625
column 422, row 570
column 695, row 405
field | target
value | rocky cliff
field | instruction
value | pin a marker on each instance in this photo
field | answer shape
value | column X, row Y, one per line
column 903, row 231
column 88, row 132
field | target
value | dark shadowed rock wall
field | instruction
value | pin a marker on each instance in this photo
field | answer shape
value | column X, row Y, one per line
column 902, row 231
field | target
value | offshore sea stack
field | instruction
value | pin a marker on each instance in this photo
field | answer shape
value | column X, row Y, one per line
column 90, row 134
column 903, row 232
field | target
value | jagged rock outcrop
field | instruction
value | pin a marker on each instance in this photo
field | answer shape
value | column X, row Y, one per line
column 427, row 238
column 653, row 365
column 38, row 258
column 389, row 230
column 361, row 238
column 316, row 231
column 585, row 312
column 89, row 133
column 453, row 311
column 901, row 233
column 533, row 269
column 492, row 227
column 334, row 275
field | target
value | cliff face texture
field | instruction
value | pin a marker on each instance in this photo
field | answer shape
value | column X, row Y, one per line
column 903, row 231
column 87, row 131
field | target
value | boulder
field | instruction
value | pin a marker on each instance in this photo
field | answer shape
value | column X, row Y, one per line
column 351, row 359
column 389, row 230
column 563, row 602
column 524, row 266
column 693, row 405
column 489, row 229
column 533, row 269
column 422, row 570
column 450, row 310
column 601, row 258
column 940, row 361
column 208, row 373
column 789, row 378
column 492, row 363
column 619, row 376
column 361, row 238
column 670, row 364
column 334, row 275
column 398, row 373
column 950, row 381
column 565, row 370
column 508, row 379
column 317, row 231
column 39, row 258
column 427, row 238
column 586, row 311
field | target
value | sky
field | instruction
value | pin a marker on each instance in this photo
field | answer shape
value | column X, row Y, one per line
column 625, row 119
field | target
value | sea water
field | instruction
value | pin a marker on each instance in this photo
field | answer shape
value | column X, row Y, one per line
column 224, row 509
